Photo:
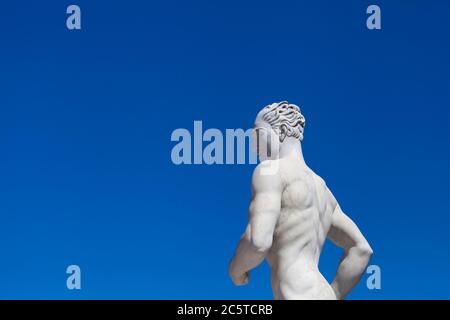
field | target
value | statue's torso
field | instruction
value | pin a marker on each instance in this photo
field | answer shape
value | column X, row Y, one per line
column 305, row 218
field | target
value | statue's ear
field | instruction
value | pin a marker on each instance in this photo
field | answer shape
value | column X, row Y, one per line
column 283, row 132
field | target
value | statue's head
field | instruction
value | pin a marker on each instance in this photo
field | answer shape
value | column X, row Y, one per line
column 277, row 122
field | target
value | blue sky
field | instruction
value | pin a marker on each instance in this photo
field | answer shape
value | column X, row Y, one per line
column 86, row 117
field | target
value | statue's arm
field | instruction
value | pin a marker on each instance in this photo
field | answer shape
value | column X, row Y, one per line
column 264, row 211
column 357, row 253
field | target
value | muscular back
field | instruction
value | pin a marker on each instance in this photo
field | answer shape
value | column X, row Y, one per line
column 291, row 214
column 301, row 230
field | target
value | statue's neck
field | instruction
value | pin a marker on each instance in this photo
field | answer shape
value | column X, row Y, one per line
column 291, row 148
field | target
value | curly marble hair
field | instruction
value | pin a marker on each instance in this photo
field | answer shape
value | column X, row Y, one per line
column 287, row 115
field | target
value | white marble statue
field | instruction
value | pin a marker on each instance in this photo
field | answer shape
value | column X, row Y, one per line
column 291, row 214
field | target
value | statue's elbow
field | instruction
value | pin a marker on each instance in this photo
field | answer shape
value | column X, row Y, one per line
column 261, row 243
column 365, row 250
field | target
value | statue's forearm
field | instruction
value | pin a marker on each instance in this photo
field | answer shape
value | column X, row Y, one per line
column 247, row 257
column 351, row 268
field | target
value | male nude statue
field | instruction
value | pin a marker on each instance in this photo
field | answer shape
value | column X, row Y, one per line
column 291, row 214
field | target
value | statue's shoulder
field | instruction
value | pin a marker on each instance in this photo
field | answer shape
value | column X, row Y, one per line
column 319, row 180
column 268, row 168
column 267, row 173
column 326, row 192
